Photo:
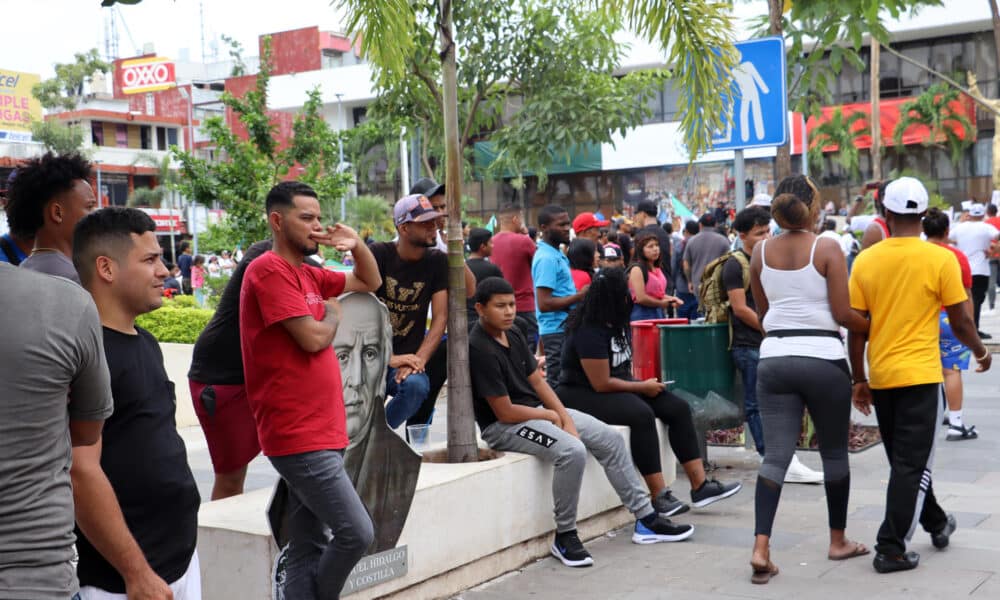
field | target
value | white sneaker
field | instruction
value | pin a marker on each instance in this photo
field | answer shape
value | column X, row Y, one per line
column 799, row 473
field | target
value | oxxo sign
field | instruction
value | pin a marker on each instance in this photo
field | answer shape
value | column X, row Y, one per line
column 148, row 74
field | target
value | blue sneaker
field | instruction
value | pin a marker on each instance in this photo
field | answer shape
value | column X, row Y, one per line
column 568, row 548
column 661, row 530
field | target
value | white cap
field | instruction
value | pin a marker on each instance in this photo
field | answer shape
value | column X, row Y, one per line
column 905, row 196
column 977, row 210
column 761, row 200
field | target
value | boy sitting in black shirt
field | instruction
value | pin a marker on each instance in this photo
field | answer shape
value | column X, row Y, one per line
column 518, row 411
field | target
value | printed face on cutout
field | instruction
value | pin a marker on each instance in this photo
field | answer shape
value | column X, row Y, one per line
column 361, row 345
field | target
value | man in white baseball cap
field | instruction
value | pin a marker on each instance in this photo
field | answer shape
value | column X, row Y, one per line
column 901, row 283
column 974, row 237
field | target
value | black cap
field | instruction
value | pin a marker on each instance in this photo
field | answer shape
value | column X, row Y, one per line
column 428, row 187
column 649, row 207
column 707, row 219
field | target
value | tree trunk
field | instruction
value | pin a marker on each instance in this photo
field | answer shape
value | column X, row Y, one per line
column 876, row 123
column 461, row 421
column 783, row 159
column 996, row 29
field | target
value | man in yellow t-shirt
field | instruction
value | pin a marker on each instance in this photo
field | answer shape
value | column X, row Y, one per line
column 901, row 284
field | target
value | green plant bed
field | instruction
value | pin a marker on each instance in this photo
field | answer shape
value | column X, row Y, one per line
column 179, row 320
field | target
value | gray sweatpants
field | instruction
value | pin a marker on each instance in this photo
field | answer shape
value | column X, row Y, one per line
column 569, row 457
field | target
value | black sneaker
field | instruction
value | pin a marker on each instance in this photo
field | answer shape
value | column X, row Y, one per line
column 886, row 563
column 956, row 433
column 945, row 420
column 941, row 538
column 713, row 490
column 666, row 504
column 568, row 548
column 661, row 530
column 984, row 336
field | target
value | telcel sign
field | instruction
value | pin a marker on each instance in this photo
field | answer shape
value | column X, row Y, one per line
column 147, row 74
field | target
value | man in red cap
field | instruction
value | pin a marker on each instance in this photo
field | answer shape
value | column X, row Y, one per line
column 587, row 225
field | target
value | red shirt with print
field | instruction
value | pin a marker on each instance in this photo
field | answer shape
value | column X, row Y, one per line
column 296, row 396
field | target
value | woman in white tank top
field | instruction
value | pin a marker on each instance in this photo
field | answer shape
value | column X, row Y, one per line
column 799, row 285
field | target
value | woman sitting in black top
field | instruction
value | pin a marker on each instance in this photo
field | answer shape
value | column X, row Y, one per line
column 596, row 379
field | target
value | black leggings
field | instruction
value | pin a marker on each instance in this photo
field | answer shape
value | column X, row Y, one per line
column 639, row 413
column 785, row 386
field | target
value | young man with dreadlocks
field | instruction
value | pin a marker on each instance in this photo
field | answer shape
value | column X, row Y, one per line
column 517, row 411
column 596, row 379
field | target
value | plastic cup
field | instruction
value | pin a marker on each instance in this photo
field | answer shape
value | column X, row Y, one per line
column 420, row 437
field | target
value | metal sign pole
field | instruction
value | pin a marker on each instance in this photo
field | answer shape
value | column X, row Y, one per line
column 740, row 176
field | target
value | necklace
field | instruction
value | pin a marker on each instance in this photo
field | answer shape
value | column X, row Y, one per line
column 37, row 250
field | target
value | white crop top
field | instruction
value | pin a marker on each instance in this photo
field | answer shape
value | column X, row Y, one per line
column 797, row 299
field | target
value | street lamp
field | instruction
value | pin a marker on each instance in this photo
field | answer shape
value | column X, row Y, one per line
column 193, row 202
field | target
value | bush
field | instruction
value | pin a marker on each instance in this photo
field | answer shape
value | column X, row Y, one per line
column 177, row 321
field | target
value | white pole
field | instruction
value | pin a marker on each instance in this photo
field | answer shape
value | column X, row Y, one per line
column 404, row 162
column 740, row 177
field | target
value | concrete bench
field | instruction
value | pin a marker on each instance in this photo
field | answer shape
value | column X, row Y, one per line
column 468, row 523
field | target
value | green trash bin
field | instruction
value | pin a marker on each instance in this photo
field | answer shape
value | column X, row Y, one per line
column 697, row 358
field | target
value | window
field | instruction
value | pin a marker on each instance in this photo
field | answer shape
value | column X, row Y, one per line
column 360, row 114
column 172, row 136
column 331, row 59
column 144, row 137
column 655, row 106
column 914, row 80
column 97, row 133
column 121, row 135
column 161, row 138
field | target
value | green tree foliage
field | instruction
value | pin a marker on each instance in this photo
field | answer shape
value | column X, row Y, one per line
column 249, row 168
column 65, row 90
column 949, row 130
column 222, row 236
column 835, row 30
column 236, row 53
column 698, row 38
column 536, row 78
column 842, row 132
column 58, row 137
column 371, row 215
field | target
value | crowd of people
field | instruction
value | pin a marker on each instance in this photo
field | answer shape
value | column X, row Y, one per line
column 551, row 368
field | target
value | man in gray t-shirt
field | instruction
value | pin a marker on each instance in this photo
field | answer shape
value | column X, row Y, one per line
column 51, row 347
column 702, row 249
column 48, row 198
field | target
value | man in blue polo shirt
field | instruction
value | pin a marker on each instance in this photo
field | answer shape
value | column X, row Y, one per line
column 555, row 292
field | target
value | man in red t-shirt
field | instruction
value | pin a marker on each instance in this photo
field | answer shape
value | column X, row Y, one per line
column 512, row 252
column 288, row 319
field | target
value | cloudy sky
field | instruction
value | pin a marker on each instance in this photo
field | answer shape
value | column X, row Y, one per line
column 39, row 33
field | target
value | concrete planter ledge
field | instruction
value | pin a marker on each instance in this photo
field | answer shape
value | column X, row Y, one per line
column 468, row 524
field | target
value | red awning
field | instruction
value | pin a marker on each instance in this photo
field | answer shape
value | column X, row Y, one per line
column 888, row 117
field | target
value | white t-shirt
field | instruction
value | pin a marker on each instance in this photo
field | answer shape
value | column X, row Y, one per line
column 833, row 235
column 973, row 238
column 861, row 222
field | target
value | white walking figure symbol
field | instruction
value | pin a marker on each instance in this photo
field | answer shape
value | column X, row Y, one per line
column 749, row 80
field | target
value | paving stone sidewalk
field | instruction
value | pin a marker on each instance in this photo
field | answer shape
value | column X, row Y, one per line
column 714, row 563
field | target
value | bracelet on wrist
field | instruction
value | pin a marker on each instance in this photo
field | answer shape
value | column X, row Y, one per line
column 983, row 357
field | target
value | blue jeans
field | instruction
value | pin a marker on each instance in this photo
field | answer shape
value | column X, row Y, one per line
column 689, row 310
column 645, row 313
column 746, row 359
column 552, row 344
column 407, row 396
column 321, row 501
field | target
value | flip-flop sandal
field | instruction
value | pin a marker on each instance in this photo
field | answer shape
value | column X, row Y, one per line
column 859, row 550
column 763, row 575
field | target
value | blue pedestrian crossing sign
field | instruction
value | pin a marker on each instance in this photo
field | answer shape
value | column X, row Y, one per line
column 759, row 114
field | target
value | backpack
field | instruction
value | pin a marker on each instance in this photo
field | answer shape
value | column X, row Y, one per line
column 712, row 297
